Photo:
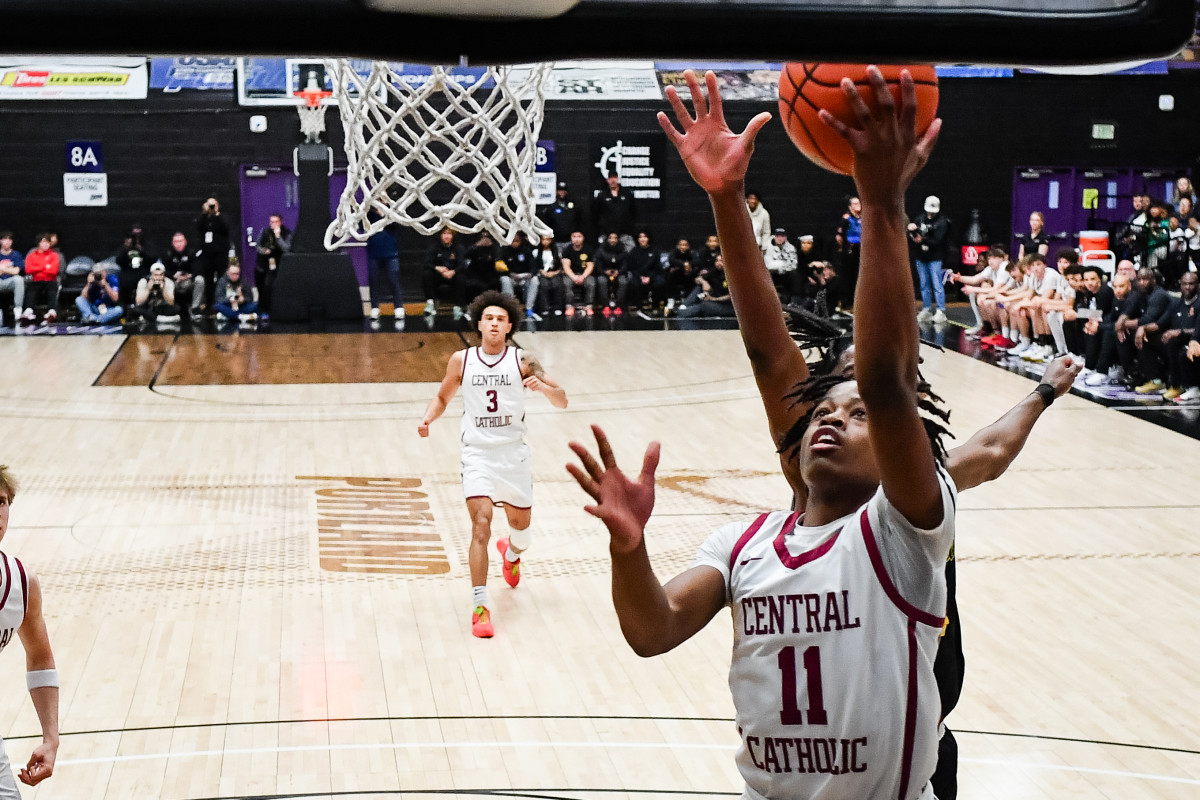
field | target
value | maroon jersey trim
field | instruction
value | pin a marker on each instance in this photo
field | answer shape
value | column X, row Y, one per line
column 794, row 562
column 24, row 588
column 889, row 588
column 7, row 582
column 744, row 539
column 479, row 355
column 910, row 711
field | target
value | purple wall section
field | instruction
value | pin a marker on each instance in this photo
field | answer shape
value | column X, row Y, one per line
column 272, row 189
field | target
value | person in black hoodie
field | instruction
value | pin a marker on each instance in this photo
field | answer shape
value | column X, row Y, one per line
column 1149, row 309
column 681, row 273
column 518, row 271
column 480, row 273
column 612, row 275
column 134, row 258
column 442, row 265
column 212, row 248
column 562, row 215
column 647, row 278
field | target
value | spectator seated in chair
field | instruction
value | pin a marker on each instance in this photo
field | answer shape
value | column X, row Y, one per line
column 99, row 302
column 518, row 270
column 681, row 273
column 548, row 263
column 577, row 265
column 711, row 296
column 443, row 263
column 1141, row 318
column 479, row 274
column 154, row 300
column 42, row 265
column 1159, row 341
column 783, row 263
column 183, row 269
column 12, row 274
column 647, row 276
column 612, row 275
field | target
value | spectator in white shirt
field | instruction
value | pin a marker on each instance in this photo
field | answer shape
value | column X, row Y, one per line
column 760, row 219
column 782, row 260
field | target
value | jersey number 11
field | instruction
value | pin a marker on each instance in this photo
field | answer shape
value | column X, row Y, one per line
column 791, row 714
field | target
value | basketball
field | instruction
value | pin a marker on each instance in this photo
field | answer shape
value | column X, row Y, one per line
column 804, row 89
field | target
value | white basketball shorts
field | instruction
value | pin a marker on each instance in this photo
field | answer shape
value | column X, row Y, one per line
column 503, row 473
column 8, row 783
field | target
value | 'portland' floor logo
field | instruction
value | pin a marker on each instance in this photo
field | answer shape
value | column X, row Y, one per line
column 377, row 525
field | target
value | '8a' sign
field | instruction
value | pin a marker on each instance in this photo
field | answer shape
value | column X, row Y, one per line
column 85, row 157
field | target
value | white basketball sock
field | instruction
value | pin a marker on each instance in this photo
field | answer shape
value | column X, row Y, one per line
column 478, row 597
column 1004, row 331
column 975, row 310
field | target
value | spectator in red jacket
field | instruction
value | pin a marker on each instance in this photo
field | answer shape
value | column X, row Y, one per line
column 41, row 279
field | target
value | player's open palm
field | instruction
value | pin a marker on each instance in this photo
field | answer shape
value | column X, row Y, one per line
column 715, row 156
column 622, row 504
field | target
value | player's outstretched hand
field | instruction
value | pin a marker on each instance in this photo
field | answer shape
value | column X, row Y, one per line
column 1061, row 374
column 715, row 156
column 623, row 505
column 40, row 766
column 887, row 152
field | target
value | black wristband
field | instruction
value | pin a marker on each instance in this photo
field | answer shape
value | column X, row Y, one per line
column 1046, row 392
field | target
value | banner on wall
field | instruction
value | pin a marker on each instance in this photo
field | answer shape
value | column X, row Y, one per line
column 41, row 78
column 190, row 72
column 639, row 159
column 737, row 80
column 603, row 80
column 85, row 183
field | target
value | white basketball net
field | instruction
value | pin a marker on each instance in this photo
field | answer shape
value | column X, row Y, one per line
column 312, row 121
column 442, row 153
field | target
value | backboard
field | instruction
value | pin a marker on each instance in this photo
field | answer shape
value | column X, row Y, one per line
column 1022, row 32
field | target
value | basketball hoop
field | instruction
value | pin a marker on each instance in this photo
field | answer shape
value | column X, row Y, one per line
column 312, row 113
column 455, row 150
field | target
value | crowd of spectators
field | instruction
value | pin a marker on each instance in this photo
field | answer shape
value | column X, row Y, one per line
column 137, row 284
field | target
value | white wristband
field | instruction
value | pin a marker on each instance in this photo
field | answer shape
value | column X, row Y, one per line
column 40, row 678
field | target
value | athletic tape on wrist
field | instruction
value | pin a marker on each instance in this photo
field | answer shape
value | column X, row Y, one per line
column 1046, row 392
column 40, row 678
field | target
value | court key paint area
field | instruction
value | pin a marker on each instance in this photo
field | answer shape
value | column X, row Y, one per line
column 210, row 648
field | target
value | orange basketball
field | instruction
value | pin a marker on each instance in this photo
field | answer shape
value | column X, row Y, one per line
column 806, row 88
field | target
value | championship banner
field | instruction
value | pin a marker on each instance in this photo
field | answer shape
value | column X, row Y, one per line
column 736, row 80
column 190, row 72
column 41, row 78
column 639, row 159
column 603, row 80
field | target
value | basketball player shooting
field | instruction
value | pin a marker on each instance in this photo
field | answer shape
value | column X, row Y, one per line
column 21, row 611
column 837, row 610
column 780, row 369
column 496, row 467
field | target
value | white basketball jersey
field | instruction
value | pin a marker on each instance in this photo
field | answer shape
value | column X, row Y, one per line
column 14, row 597
column 832, row 673
column 493, row 398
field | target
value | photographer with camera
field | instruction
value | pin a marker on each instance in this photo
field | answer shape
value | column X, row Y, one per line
column 233, row 301
column 155, row 298
column 182, row 263
column 213, row 249
column 929, row 237
column 98, row 303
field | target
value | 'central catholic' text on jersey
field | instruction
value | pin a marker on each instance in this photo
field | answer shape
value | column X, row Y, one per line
column 493, row 398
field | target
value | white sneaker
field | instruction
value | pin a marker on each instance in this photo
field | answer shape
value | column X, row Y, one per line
column 51, row 316
column 1020, row 348
column 925, row 315
column 974, row 332
column 374, row 313
column 939, row 317
column 430, row 308
column 458, row 312
column 1190, row 396
column 398, row 312
column 1096, row 379
column 29, row 315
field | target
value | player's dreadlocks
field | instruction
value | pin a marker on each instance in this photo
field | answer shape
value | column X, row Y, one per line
column 830, row 341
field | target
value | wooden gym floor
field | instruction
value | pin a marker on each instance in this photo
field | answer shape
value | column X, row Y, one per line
column 231, row 619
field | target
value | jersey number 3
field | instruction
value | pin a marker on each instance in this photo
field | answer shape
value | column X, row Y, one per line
column 791, row 714
column 493, row 401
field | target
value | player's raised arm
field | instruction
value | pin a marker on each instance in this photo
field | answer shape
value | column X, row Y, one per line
column 887, row 156
column 717, row 159
column 654, row 618
column 450, row 384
